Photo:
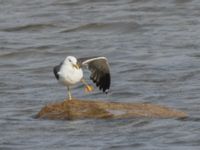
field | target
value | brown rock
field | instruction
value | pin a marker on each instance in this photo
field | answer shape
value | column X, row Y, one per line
column 80, row 109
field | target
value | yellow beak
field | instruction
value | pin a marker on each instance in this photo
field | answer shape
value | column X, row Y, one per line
column 76, row 66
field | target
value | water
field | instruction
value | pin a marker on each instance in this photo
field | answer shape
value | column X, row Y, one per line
column 154, row 51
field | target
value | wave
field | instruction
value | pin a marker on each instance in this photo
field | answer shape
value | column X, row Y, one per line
column 28, row 27
column 106, row 27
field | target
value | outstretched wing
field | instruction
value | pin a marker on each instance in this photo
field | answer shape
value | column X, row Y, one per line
column 100, row 72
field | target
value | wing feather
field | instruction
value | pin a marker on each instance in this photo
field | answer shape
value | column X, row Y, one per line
column 56, row 69
column 100, row 72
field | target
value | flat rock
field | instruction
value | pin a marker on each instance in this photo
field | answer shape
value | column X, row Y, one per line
column 87, row 109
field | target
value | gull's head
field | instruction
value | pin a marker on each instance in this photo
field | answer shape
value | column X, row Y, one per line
column 72, row 61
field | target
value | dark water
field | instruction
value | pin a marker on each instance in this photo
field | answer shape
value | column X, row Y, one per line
column 154, row 51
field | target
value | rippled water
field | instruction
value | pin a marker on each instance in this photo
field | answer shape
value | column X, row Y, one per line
column 154, row 51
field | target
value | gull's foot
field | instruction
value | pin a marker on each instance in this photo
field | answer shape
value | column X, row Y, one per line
column 88, row 88
column 69, row 99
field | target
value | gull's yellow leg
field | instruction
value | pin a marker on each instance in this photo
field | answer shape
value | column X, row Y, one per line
column 88, row 88
column 69, row 93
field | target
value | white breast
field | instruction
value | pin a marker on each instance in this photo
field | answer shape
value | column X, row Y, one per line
column 69, row 75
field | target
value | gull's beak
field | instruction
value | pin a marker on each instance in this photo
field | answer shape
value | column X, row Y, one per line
column 76, row 66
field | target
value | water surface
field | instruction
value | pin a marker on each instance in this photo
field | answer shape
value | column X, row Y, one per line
column 154, row 52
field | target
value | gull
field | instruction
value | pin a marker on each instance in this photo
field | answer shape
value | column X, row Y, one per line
column 69, row 72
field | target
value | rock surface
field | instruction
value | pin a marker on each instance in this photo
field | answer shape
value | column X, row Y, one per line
column 85, row 109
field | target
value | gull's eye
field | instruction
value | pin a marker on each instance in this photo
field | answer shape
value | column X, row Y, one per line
column 70, row 60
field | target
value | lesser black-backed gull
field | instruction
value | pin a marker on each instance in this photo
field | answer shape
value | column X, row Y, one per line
column 69, row 72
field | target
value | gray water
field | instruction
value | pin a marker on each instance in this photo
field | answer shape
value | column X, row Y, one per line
column 154, row 52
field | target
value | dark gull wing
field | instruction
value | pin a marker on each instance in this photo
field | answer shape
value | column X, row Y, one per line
column 56, row 69
column 100, row 72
